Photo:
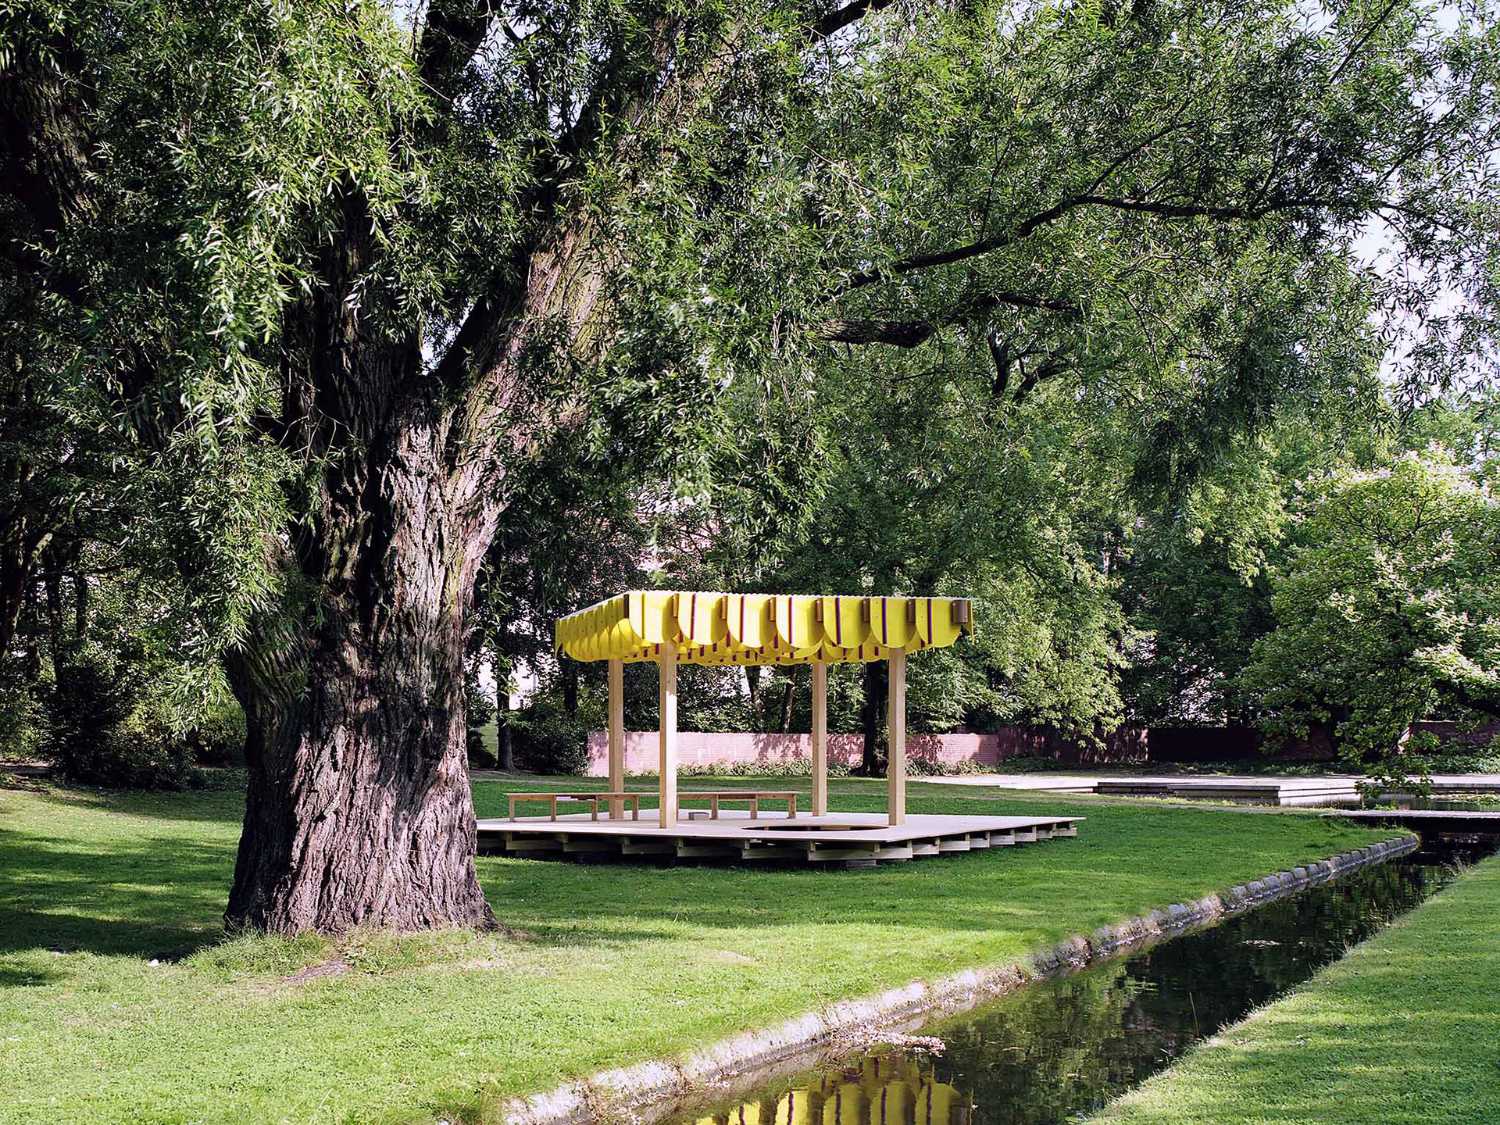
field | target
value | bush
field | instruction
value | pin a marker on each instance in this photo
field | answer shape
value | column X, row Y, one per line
column 97, row 732
column 797, row 767
column 802, row 767
column 217, row 737
column 549, row 740
column 480, row 755
column 22, row 719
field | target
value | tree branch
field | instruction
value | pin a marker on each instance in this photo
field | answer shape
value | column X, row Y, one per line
column 1028, row 227
column 910, row 333
column 453, row 31
column 1360, row 41
column 897, row 333
column 840, row 18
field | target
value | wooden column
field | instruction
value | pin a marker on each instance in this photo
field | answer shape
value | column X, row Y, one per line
column 667, row 764
column 895, row 770
column 819, row 738
column 616, row 737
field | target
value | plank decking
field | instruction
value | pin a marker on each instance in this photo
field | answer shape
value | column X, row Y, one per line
column 846, row 839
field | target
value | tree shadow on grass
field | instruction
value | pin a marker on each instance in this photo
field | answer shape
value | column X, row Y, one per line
column 20, row 976
column 1127, row 860
column 620, row 903
column 223, row 806
column 134, row 891
column 154, row 896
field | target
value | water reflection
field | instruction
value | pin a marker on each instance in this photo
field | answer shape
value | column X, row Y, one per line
column 881, row 1089
column 1066, row 1047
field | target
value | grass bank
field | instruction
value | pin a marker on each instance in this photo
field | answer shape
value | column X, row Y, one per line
column 1405, row 1029
column 119, row 1001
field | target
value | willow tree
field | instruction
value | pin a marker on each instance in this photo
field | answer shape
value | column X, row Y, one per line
column 339, row 272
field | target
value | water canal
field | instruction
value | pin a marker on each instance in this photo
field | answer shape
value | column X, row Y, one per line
column 1059, row 1049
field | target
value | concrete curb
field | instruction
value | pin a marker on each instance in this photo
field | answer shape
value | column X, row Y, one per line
column 633, row 1092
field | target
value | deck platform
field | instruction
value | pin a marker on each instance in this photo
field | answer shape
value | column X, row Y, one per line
column 842, row 839
column 1284, row 791
column 1326, row 789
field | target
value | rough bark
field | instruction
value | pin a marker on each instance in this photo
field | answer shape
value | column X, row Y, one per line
column 358, row 808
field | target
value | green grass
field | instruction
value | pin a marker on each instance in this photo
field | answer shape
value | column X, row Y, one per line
column 621, row 963
column 1405, row 1029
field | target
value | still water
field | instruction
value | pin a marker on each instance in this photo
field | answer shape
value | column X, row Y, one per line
column 1060, row 1049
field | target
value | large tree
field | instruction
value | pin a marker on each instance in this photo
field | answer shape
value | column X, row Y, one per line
column 342, row 279
column 1389, row 611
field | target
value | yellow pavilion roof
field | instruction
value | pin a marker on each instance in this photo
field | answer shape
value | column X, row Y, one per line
column 712, row 628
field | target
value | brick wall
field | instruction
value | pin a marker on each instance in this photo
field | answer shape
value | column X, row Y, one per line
column 722, row 748
column 1132, row 745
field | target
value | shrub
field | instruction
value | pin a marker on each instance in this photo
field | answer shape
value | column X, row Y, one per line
column 480, row 756
column 217, row 736
column 22, row 718
column 797, row 767
column 98, row 733
column 549, row 740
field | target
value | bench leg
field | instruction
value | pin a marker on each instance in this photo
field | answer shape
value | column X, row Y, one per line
column 713, row 808
column 594, row 809
column 554, row 808
column 791, row 807
column 754, row 808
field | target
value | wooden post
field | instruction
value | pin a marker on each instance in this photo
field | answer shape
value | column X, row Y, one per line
column 895, row 770
column 616, row 737
column 819, row 738
column 667, row 765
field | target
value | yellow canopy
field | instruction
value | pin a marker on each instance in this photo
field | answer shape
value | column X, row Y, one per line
column 710, row 628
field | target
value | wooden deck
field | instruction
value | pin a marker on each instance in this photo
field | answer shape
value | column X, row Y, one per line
column 842, row 839
column 1293, row 791
column 1241, row 790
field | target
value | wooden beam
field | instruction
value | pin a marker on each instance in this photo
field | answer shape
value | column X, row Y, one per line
column 896, row 726
column 616, row 737
column 819, row 738
column 667, row 763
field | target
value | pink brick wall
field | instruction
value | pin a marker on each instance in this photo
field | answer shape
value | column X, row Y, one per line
column 720, row 748
column 1128, row 744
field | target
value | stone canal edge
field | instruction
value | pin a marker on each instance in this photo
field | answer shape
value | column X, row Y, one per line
column 632, row 1092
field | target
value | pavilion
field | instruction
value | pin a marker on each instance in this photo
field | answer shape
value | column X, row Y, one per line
column 669, row 628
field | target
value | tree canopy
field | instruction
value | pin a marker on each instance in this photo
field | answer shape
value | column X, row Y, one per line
column 1389, row 610
column 324, row 287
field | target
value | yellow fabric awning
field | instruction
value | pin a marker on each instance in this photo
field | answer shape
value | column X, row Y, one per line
column 713, row 628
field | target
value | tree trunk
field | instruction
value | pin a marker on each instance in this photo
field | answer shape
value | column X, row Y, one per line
column 752, row 682
column 505, row 747
column 358, row 810
column 80, row 607
column 787, row 690
column 872, row 719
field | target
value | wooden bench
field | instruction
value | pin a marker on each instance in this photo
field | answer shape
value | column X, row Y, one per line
column 593, row 800
column 754, row 796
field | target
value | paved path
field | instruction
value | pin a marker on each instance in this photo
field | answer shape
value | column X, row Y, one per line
column 1314, row 790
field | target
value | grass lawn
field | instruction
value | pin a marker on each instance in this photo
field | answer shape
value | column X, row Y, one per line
column 120, row 1001
column 1405, row 1029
